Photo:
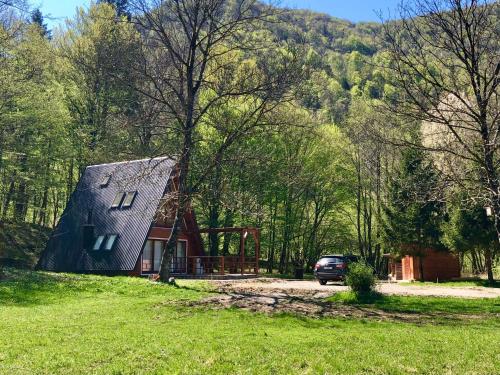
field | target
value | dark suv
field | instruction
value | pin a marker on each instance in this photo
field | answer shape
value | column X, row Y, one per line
column 333, row 267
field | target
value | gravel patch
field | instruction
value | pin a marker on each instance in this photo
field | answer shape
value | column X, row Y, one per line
column 312, row 288
column 308, row 298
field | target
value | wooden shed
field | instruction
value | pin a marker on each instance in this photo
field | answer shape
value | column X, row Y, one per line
column 437, row 265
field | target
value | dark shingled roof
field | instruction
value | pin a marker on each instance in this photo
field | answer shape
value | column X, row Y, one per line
column 64, row 251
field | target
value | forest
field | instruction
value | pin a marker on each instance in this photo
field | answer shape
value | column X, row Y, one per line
column 330, row 136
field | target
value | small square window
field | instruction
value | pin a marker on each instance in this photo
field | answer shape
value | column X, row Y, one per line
column 110, row 242
column 118, row 200
column 105, row 180
column 98, row 243
column 129, row 199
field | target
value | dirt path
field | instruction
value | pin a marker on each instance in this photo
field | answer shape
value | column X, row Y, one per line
column 308, row 298
column 312, row 288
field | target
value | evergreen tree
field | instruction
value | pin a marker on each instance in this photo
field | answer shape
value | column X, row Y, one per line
column 413, row 214
column 469, row 230
column 121, row 7
column 38, row 19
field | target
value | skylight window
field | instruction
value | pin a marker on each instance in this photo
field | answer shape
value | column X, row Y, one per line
column 98, row 243
column 129, row 199
column 110, row 242
column 118, row 200
column 105, row 180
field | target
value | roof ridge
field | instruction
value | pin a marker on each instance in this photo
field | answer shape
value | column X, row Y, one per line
column 131, row 161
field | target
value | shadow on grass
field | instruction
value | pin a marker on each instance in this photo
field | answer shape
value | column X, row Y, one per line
column 21, row 287
column 29, row 288
column 419, row 304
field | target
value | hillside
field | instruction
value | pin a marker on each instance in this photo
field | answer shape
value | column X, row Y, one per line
column 21, row 243
column 341, row 54
column 327, row 33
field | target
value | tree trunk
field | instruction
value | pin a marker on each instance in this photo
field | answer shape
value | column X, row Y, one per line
column 42, row 218
column 214, row 213
column 182, row 194
column 284, row 256
column 421, row 267
column 166, row 260
column 488, row 261
column 358, row 210
column 272, row 235
column 21, row 204
column 228, row 222
column 8, row 197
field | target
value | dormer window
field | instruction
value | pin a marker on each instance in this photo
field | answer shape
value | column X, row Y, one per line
column 110, row 242
column 129, row 199
column 105, row 181
column 105, row 242
column 118, row 200
column 98, row 243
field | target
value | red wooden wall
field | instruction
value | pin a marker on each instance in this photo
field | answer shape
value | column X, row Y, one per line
column 437, row 265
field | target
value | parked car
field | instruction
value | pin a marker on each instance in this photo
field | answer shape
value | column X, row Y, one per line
column 333, row 267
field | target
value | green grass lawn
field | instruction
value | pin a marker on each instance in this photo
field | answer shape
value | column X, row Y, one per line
column 466, row 283
column 421, row 305
column 74, row 324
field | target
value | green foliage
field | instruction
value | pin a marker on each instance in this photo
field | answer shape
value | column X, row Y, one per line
column 94, row 49
column 360, row 278
column 22, row 243
column 121, row 6
column 468, row 228
column 413, row 213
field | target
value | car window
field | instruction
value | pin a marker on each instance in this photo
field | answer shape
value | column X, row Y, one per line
column 327, row 260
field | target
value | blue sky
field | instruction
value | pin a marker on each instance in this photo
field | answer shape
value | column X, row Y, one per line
column 353, row 10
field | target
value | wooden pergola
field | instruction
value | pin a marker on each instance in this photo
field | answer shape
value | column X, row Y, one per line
column 244, row 232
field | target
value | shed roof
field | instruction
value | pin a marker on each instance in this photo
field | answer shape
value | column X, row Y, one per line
column 149, row 177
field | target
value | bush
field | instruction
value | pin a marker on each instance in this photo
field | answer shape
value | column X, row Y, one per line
column 360, row 278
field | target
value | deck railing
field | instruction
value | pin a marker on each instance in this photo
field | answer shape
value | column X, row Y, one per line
column 219, row 265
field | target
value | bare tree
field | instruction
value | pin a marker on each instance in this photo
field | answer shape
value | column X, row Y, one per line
column 445, row 59
column 192, row 62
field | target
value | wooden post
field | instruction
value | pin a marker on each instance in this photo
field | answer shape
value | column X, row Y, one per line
column 242, row 251
column 222, row 266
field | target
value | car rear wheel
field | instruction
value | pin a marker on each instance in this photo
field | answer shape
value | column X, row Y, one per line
column 322, row 282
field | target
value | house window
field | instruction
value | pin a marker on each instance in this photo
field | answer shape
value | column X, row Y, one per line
column 105, row 180
column 98, row 242
column 158, row 248
column 110, row 242
column 153, row 252
column 129, row 199
column 147, row 257
column 180, row 257
column 118, row 200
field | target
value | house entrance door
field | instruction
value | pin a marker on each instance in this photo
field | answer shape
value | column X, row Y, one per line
column 179, row 262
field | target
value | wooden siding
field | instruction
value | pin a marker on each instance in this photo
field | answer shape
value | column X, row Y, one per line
column 437, row 265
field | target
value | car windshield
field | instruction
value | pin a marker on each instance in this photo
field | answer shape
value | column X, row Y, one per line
column 327, row 260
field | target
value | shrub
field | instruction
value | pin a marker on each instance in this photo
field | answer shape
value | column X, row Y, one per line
column 360, row 278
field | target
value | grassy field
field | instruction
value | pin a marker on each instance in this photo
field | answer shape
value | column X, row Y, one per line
column 421, row 305
column 464, row 283
column 60, row 324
